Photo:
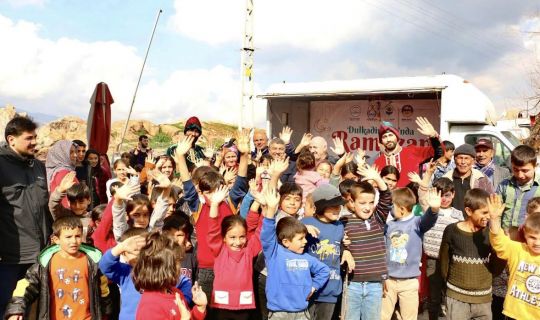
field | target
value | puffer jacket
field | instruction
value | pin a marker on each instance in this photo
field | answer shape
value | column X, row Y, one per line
column 35, row 285
column 25, row 220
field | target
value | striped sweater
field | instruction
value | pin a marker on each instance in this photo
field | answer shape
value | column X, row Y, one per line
column 367, row 242
column 433, row 237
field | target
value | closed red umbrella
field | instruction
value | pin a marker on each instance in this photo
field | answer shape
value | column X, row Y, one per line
column 99, row 119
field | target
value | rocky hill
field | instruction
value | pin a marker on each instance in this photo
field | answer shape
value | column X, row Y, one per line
column 161, row 135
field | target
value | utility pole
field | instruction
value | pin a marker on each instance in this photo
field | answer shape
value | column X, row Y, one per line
column 246, row 70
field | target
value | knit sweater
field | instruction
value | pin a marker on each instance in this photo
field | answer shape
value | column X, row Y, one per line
column 367, row 242
column 467, row 264
column 433, row 238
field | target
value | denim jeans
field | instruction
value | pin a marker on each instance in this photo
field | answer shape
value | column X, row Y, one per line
column 364, row 300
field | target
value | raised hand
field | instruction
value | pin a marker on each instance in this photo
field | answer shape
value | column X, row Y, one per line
column 339, row 146
column 67, row 182
column 415, row 178
column 220, row 194
column 209, row 151
column 150, row 158
column 495, row 206
column 198, row 162
column 272, row 198
column 434, row 199
column 360, row 157
column 425, row 127
column 133, row 244
column 162, row 179
column 242, row 141
column 278, row 166
column 126, row 191
column 286, row 134
column 184, row 145
column 306, row 139
column 369, row 172
column 229, row 174
column 131, row 171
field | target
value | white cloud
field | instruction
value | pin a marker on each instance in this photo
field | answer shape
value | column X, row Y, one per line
column 308, row 24
column 58, row 77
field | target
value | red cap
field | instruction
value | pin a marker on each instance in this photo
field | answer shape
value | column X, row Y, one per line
column 483, row 142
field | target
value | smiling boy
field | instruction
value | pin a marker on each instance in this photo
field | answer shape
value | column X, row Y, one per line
column 66, row 281
column 293, row 276
column 468, row 262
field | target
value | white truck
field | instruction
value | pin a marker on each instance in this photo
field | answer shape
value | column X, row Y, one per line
column 354, row 109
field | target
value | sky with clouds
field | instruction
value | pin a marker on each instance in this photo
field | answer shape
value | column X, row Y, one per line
column 55, row 51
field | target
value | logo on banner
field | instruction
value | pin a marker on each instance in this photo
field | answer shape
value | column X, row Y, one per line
column 389, row 109
column 407, row 111
column 356, row 111
column 374, row 111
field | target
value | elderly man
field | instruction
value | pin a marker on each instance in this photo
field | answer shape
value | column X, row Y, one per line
column 25, row 220
column 484, row 162
column 465, row 177
column 406, row 159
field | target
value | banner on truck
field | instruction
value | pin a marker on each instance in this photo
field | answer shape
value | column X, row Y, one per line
column 357, row 121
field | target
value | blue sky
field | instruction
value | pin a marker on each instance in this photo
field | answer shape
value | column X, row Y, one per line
column 57, row 50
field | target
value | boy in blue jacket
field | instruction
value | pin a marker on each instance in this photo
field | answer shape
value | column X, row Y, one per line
column 293, row 276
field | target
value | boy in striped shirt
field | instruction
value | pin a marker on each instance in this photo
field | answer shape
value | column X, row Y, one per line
column 365, row 229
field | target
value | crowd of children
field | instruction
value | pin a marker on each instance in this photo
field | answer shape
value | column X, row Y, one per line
column 287, row 233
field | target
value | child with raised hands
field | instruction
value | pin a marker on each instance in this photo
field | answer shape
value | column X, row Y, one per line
column 117, row 264
column 345, row 168
column 156, row 274
column 293, row 276
column 132, row 209
column 365, row 228
column 523, row 261
column 404, row 237
column 196, row 196
column 199, row 203
column 234, row 250
column 468, row 262
column 79, row 199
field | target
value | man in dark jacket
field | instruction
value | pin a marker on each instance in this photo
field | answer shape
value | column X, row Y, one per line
column 25, row 219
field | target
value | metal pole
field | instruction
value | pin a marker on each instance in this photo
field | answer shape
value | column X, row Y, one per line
column 138, row 82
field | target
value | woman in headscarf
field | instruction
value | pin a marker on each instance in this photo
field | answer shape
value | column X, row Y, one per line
column 61, row 160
